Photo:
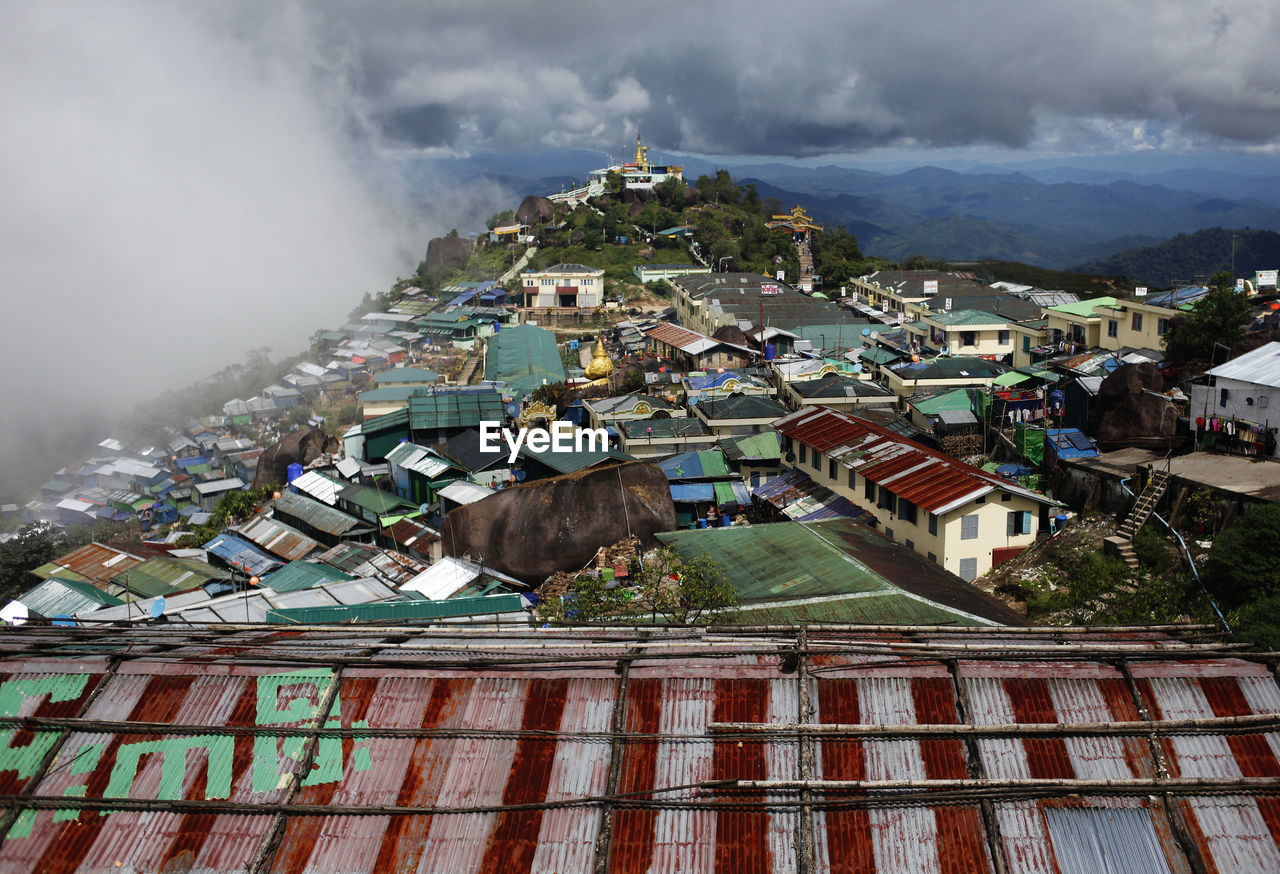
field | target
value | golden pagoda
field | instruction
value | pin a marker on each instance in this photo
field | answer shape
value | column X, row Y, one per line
column 600, row 366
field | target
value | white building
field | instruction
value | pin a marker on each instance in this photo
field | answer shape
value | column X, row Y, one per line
column 564, row 285
column 1231, row 404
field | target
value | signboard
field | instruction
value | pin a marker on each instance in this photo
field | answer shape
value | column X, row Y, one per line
column 1239, row 285
column 769, row 288
column 782, row 276
column 1267, row 278
column 931, row 287
column 946, row 304
column 1140, row 291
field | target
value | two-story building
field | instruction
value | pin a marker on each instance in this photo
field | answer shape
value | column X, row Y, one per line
column 1231, row 404
column 1109, row 323
column 964, row 519
column 564, row 285
column 974, row 333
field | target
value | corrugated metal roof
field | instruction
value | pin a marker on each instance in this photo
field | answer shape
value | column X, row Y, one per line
column 302, row 575
column 319, row 516
column 419, row 459
column 242, row 555
column 402, row 611
column 925, row 477
column 93, row 562
column 1261, row 366
column 55, row 597
column 523, row 750
column 278, row 538
column 450, row 575
column 687, row 341
column 702, row 464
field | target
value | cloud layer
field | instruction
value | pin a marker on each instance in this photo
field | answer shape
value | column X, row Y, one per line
column 819, row 77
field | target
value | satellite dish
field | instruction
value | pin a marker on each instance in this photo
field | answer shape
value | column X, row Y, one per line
column 157, row 607
column 520, row 476
column 513, row 410
column 791, row 457
column 424, row 509
column 857, row 368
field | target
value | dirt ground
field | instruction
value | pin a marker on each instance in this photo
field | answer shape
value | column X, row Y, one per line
column 1082, row 534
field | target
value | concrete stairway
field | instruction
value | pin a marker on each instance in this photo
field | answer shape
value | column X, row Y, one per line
column 1121, row 543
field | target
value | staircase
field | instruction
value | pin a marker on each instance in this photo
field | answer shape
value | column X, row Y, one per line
column 1122, row 541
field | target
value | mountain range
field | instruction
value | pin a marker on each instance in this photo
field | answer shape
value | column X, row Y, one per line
column 1054, row 215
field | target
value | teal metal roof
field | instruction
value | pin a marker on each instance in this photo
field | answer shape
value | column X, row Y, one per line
column 763, row 445
column 690, row 426
column 440, row 410
column 302, row 575
column 957, row 318
column 398, row 611
column 835, row 385
column 405, row 376
column 524, row 357
column 704, row 464
column 742, row 407
column 160, row 576
column 376, row 500
column 55, row 597
column 879, row 355
column 960, row 399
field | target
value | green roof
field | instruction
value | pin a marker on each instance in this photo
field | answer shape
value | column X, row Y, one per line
column 1083, row 307
column 762, row 445
column 524, row 357
column 742, row 407
column 302, row 575
column 959, row 367
column 61, row 597
column 439, row 410
column 792, row 571
column 690, row 426
column 160, row 576
column 385, row 393
column 321, row 517
column 879, row 355
column 397, row 611
column 376, row 500
column 1013, row 377
column 835, row 385
column 405, row 375
column 571, row 461
column 953, row 318
column 947, row 400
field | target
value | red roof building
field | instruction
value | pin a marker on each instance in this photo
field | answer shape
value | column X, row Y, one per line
column 961, row 517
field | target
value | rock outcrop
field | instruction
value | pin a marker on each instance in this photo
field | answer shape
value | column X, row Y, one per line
column 533, row 530
column 297, row 447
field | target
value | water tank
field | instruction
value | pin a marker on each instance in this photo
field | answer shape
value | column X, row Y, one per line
column 770, row 351
column 295, row 471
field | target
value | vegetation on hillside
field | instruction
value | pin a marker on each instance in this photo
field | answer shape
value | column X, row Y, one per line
column 1218, row 318
column 1243, row 572
column 1191, row 258
column 1084, row 284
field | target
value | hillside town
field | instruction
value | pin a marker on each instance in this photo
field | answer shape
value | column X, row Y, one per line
column 628, row 553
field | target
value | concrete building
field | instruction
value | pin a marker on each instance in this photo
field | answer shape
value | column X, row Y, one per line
column 1238, row 396
column 962, row 518
column 564, row 285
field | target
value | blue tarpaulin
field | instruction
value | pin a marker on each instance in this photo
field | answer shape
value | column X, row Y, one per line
column 689, row 493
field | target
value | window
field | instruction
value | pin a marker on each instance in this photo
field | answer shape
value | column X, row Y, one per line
column 831, row 469
column 869, row 490
column 969, row 568
column 1006, row 497
column 968, row 338
column 906, row 511
column 585, row 282
column 1026, row 344
column 933, row 525
column 853, row 478
column 1003, row 338
column 1137, row 321
column 1162, row 326
column 933, row 558
column 887, row 499
column 547, row 282
column 888, row 532
column 817, row 460
column 969, row 527
column 803, row 450
column 908, row 544
column 1019, row 522
column 1113, row 328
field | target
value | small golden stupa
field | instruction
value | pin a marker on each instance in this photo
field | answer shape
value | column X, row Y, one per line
column 600, row 366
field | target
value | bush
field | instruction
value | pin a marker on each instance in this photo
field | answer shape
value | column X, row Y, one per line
column 1153, row 551
column 1244, row 564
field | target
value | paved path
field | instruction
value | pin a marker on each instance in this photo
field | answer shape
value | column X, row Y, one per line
column 518, row 266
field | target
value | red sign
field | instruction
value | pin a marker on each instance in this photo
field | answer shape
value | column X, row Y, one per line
column 768, row 289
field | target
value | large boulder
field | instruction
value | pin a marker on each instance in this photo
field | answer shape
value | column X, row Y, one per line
column 1131, row 409
column 533, row 530
column 445, row 253
column 535, row 211
column 302, row 446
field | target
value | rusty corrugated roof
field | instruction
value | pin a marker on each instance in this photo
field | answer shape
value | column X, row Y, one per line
column 927, row 478
column 461, row 749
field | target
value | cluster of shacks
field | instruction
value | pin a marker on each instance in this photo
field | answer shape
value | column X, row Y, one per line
column 462, row 749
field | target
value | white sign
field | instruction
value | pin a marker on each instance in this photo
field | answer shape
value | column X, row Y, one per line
column 1239, row 285
column 946, row 305
column 1267, row 278
column 1140, row 291
column 782, row 276
column 769, row 288
column 931, row 287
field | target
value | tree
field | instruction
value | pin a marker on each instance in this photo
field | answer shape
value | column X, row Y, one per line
column 29, row 548
column 1218, row 317
column 506, row 217
column 1244, row 562
column 665, row 588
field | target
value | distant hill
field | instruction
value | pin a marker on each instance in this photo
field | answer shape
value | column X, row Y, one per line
column 1192, row 257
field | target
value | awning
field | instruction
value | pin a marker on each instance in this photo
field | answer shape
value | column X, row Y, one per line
column 690, row 493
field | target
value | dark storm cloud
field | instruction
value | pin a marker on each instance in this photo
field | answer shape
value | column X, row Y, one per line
column 823, row 77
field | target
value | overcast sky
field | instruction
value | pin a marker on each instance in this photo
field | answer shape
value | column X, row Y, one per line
column 185, row 181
